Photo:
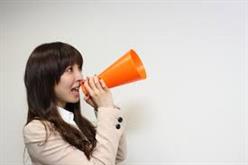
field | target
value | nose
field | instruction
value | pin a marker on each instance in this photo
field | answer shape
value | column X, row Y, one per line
column 78, row 75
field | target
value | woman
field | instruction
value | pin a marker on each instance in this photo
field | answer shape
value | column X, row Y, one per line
column 56, row 133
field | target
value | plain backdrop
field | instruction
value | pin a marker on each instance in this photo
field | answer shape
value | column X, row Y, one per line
column 191, row 109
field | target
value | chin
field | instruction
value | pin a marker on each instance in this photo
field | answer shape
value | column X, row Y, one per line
column 74, row 101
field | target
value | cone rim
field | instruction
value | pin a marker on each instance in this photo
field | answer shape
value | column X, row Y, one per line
column 139, row 64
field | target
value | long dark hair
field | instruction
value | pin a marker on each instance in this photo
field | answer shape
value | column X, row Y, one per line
column 44, row 67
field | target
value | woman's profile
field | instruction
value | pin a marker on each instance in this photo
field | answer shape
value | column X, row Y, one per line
column 56, row 133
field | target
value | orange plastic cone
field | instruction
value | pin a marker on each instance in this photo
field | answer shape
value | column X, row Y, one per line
column 126, row 69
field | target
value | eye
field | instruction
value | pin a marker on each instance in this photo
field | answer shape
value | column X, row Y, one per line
column 69, row 69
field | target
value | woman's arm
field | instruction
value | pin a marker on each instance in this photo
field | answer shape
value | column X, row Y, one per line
column 56, row 151
column 122, row 150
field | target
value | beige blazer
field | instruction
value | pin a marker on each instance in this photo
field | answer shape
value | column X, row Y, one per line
column 110, row 148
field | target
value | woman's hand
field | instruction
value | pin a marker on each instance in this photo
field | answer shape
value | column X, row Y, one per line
column 98, row 93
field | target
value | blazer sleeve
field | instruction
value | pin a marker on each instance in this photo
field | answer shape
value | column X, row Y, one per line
column 109, row 149
column 122, row 150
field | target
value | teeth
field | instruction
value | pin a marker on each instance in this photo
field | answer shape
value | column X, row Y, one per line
column 77, row 88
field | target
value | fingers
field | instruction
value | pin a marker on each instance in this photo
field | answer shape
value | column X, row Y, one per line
column 88, row 87
column 93, row 85
column 97, row 83
column 104, row 86
column 99, row 94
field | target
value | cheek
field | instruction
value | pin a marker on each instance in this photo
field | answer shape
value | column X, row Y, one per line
column 62, row 86
column 66, row 81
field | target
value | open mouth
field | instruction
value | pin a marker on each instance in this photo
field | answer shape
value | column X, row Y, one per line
column 75, row 90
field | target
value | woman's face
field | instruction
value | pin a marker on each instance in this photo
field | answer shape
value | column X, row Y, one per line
column 67, row 90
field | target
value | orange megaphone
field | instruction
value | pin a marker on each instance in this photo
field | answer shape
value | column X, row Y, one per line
column 126, row 69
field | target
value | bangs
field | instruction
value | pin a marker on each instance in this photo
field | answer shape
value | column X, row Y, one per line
column 69, row 56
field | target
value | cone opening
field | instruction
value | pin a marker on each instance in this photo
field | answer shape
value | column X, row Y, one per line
column 139, row 65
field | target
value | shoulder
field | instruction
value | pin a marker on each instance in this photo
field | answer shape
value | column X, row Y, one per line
column 36, row 131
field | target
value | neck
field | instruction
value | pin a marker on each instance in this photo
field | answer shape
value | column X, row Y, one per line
column 60, row 104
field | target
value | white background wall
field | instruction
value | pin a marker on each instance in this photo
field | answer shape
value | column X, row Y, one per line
column 191, row 110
